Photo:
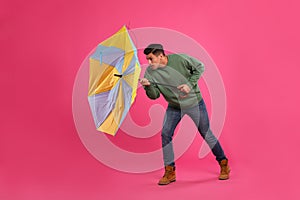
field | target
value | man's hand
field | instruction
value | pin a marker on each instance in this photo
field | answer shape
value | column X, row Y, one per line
column 144, row 82
column 184, row 89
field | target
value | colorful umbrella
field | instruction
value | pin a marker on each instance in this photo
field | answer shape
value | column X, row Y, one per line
column 114, row 74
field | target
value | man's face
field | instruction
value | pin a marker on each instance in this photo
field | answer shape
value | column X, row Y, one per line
column 154, row 60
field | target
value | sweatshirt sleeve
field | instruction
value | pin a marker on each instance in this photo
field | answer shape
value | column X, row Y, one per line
column 196, row 69
column 151, row 91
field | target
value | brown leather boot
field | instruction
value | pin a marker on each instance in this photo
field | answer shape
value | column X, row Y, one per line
column 168, row 177
column 225, row 170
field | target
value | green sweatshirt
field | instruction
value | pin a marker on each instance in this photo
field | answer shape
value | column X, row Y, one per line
column 180, row 69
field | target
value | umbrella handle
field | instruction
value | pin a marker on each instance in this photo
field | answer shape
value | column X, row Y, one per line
column 118, row 75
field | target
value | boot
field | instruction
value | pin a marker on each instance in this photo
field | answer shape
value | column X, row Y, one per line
column 168, row 177
column 225, row 170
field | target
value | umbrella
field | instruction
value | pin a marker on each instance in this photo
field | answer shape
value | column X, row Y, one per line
column 114, row 73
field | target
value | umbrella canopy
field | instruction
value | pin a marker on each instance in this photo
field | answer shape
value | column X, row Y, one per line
column 114, row 74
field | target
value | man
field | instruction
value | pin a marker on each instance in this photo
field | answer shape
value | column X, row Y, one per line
column 176, row 76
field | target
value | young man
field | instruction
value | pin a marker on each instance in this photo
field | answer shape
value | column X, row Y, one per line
column 176, row 76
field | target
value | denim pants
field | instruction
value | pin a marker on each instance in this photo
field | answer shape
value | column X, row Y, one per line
column 200, row 117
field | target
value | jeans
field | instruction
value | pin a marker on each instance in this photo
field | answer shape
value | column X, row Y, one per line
column 200, row 117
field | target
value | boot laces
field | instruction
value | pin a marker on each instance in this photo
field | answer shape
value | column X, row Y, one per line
column 168, row 172
column 223, row 169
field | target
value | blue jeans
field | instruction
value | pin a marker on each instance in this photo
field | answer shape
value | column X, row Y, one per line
column 200, row 117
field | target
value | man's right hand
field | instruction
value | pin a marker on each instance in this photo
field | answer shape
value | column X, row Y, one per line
column 144, row 82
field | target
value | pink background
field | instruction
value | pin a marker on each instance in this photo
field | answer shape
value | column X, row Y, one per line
column 255, row 45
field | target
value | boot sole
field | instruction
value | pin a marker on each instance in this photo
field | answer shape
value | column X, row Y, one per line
column 222, row 179
column 167, row 183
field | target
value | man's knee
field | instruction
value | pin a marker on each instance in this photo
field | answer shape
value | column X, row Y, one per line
column 166, row 136
column 204, row 129
column 209, row 137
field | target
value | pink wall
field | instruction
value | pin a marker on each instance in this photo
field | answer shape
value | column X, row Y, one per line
column 255, row 45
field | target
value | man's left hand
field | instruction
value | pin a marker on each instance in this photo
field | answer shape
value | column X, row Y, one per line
column 185, row 89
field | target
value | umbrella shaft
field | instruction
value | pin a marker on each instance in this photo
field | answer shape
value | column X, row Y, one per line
column 163, row 84
column 172, row 86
